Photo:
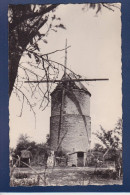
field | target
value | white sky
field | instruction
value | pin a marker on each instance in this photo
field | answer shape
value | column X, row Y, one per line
column 95, row 53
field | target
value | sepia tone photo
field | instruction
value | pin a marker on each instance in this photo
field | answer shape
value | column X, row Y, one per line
column 65, row 94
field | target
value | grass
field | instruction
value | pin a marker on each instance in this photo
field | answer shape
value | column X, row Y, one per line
column 69, row 176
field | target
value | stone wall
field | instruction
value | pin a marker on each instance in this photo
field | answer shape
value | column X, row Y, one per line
column 73, row 159
column 71, row 103
column 73, row 136
column 76, row 122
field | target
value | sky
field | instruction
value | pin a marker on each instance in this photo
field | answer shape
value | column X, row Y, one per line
column 95, row 52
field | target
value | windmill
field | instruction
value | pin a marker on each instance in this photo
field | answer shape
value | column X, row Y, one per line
column 70, row 121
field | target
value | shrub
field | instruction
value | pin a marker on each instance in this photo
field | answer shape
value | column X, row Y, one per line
column 24, row 182
column 105, row 174
column 19, row 175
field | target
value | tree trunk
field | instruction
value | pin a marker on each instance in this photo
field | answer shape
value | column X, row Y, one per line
column 24, row 27
column 13, row 70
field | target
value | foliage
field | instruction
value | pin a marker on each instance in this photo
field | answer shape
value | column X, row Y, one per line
column 91, row 161
column 105, row 174
column 20, row 175
column 112, row 142
column 60, row 153
column 98, row 148
column 111, row 138
column 39, row 151
column 24, row 182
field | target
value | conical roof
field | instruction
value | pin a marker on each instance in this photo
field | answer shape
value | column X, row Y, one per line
column 72, row 84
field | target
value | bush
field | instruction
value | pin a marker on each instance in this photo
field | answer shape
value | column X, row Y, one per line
column 21, row 175
column 24, row 182
column 105, row 174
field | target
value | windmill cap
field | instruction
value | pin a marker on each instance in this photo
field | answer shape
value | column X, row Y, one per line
column 74, row 84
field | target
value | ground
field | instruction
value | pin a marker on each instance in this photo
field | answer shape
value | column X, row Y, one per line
column 60, row 176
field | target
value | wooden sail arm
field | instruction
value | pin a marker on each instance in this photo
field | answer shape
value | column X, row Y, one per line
column 61, row 115
column 66, row 80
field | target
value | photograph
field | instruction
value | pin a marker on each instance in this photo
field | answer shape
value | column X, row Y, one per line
column 65, row 94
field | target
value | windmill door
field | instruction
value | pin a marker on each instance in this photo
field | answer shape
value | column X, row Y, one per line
column 80, row 159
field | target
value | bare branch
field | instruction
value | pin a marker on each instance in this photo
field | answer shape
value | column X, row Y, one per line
column 108, row 7
column 22, row 107
column 56, row 51
column 28, row 102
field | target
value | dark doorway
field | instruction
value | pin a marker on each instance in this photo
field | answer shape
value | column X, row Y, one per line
column 80, row 159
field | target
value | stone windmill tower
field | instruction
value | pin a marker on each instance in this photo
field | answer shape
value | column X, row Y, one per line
column 70, row 121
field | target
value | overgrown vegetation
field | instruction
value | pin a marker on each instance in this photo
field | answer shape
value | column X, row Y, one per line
column 39, row 152
column 24, row 181
column 69, row 176
column 111, row 146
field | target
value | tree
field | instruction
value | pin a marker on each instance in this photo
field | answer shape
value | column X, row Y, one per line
column 98, row 148
column 111, row 140
column 25, row 22
column 23, row 139
column 39, row 151
column 22, row 144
